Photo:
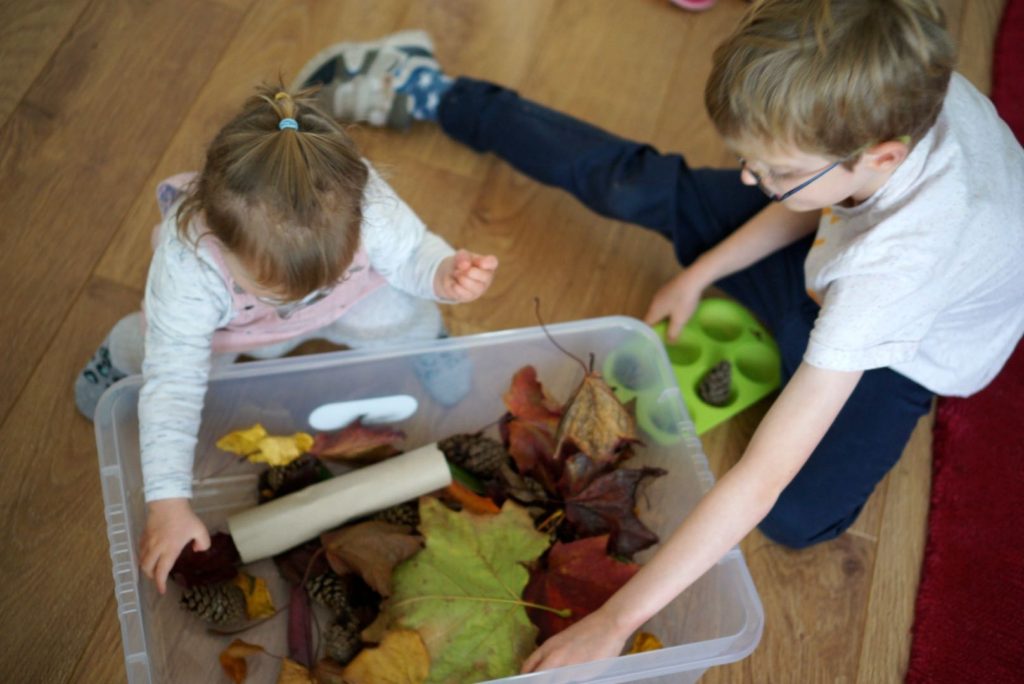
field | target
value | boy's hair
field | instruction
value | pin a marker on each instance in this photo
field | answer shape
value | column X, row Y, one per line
column 831, row 76
column 287, row 203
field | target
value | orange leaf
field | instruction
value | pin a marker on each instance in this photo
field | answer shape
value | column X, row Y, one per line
column 470, row 501
column 400, row 659
column 645, row 641
column 258, row 603
column 232, row 659
column 526, row 398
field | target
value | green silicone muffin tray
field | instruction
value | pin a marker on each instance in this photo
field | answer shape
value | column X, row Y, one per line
column 719, row 330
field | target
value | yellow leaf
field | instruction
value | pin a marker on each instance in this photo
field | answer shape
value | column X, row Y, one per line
column 243, row 442
column 294, row 673
column 645, row 641
column 400, row 659
column 232, row 659
column 280, row 451
column 258, row 603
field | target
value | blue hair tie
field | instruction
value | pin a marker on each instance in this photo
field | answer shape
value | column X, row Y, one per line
column 288, row 123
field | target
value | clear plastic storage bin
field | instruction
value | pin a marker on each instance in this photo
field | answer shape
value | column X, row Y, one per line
column 717, row 620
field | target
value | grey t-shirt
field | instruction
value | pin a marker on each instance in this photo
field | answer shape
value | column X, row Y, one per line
column 927, row 275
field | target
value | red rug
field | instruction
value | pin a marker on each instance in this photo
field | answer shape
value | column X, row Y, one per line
column 969, row 620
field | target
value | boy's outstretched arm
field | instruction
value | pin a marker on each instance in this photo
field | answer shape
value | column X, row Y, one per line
column 781, row 445
column 771, row 229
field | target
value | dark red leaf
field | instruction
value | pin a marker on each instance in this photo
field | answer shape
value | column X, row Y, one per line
column 217, row 564
column 579, row 471
column 608, row 505
column 531, row 445
column 358, row 442
column 302, row 562
column 579, row 576
column 304, row 471
column 300, row 627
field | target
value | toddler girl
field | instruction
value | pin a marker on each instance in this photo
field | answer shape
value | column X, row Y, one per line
column 285, row 235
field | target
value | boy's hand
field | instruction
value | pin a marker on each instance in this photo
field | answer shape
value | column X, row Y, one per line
column 170, row 525
column 676, row 300
column 592, row 638
column 464, row 276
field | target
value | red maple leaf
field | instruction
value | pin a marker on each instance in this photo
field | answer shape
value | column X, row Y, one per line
column 358, row 442
column 579, row 576
column 219, row 563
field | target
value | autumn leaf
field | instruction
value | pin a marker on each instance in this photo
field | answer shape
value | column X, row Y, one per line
column 644, row 641
column 532, row 446
column 300, row 626
column 258, row 603
column 596, row 422
column 258, row 447
column 294, row 673
column 304, row 471
column 608, row 505
column 232, row 659
column 469, row 501
column 579, row 471
column 372, row 549
column 579, row 576
column 329, row 671
column 217, row 564
column 301, row 562
column 358, row 442
column 463, row 591
column 527, row 400
column 401, row 658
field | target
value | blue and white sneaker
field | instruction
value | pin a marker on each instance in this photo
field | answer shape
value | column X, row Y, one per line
column 387, row 82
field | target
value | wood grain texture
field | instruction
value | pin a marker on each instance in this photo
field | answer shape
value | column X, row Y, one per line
column 124, row 94
column 75, row 151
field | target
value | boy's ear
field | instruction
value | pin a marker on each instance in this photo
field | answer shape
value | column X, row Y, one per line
column 886, row 156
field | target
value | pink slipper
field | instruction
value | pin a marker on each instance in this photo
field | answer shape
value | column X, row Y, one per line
column 694, row 5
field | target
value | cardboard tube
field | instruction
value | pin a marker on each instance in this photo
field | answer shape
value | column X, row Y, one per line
column 280, row 524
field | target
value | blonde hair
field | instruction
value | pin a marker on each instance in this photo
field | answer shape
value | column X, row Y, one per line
column 287, row 203
column 831, row 76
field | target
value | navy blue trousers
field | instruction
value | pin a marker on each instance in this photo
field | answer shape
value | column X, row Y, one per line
column 695, row 209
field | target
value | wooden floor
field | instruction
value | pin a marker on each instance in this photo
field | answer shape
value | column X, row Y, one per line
column 99, row 99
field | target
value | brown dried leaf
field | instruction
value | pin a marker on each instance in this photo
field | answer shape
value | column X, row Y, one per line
column 372, row 549
column 608, row 505
column 329, row 671
column 596, row 422
column 401, row 658
column 527, row 400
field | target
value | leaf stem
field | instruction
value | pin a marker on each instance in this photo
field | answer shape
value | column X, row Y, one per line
column 560, row 612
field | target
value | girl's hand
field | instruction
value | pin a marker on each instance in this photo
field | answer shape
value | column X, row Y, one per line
column 676, row 300
column 170, row 525
column 592, row 638
column 464, row 276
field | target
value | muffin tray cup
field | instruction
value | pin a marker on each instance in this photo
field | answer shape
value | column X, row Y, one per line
column 720, row 329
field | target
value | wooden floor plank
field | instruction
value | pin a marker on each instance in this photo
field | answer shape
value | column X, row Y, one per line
column 885, row 648
column 76, row 150
column 55, row 568
column 30, row 33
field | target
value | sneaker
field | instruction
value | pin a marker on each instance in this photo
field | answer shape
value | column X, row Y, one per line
column 364, row 81
column 99, row 374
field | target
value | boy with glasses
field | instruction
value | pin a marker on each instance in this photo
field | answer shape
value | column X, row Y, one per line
column 888, row 265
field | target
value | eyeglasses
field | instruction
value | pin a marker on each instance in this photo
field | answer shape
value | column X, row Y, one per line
column 789, row 193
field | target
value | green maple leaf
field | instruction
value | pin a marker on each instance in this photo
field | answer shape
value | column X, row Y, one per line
column 463, row 592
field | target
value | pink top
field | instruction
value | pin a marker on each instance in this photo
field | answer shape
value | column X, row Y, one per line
column 256, row 323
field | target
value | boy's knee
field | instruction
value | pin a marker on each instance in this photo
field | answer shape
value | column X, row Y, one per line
column 799, row 529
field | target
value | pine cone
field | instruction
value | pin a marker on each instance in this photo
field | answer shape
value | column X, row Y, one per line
column 341, row 639
column 219, row 604
column 330, row 590
column 481, row 456
column 407, row 514
column 715, row 387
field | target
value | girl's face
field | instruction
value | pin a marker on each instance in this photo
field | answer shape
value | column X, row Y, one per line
column 780, row 170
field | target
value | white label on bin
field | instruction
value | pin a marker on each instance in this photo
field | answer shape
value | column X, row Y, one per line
column 337, row 415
